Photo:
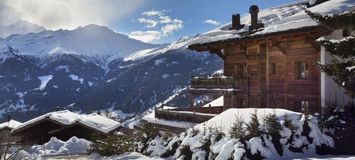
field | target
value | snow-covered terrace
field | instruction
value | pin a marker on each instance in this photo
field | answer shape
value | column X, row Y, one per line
column 285, row 18
column 67, row 118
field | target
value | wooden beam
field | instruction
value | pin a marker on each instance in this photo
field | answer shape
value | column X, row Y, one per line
column 219, row 53
column 279, row 46
column 313, row 42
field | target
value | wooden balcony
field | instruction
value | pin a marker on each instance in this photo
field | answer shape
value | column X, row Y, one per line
column 193, row 115
column 217, row 85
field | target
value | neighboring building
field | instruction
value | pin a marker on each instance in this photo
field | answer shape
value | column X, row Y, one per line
column 64, row 125
column 5, row 131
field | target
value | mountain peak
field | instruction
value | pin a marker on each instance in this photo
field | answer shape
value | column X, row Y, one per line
column 94, row 27
column 20, row 27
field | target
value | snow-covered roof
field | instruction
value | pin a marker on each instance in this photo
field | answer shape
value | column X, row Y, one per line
column 225, row 120
column 10, row 124
column 66, row 117
column 216, row 103
column 278, row 19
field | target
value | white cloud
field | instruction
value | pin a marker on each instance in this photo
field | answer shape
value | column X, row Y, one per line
column 213, row 22
column 165, row 19
column 153, row 13
column 150, row 23
column 160, row 25
column 174, row 26
column 67, row 14
column 146, row 36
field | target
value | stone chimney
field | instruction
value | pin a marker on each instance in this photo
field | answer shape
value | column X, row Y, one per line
column 236, row 22
column 254, row 10
column 8, row 118
column 57, row 108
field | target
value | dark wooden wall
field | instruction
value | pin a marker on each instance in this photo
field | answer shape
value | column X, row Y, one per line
column 282, row 89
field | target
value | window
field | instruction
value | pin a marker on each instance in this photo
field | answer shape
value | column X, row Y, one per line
column 273, row 68
column 301, row 70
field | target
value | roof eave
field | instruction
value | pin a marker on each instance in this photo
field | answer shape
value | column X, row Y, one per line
column 220, row 43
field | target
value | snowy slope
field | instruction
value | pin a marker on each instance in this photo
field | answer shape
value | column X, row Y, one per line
column 20, row 27
column 282, row 18
column 180, row 44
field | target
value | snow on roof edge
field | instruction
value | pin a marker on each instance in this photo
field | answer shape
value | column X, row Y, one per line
column 10, row 124
column 287, row 17
column 67, row 118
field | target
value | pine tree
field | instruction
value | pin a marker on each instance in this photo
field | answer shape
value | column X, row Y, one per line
column 238, row 129
column 288, row 122
column 273, row 126
column 342, row 67
column 253, row 126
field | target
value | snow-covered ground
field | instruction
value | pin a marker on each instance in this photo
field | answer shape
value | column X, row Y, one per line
column 125, row 156
column 44, row 81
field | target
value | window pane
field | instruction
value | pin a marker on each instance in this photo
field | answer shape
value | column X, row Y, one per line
column 273, row 68
column 301, row 70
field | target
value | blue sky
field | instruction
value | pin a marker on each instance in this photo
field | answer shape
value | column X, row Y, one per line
column 193, row 14
column 154, row 21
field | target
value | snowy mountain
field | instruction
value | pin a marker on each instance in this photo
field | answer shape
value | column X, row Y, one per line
column 20, row 27
column 93, row 68
column 97, row 42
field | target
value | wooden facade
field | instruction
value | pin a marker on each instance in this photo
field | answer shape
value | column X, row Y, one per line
column 6, row 137
column 276, row 70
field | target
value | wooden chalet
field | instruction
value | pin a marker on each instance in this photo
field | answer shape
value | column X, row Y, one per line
column 269, row 70
column 269, row 62
column 63, row 125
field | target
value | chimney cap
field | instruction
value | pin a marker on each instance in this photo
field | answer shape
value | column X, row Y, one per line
column 253, row 8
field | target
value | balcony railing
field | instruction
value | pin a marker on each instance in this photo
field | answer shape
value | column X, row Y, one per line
column 193, row 115
column 220, row 82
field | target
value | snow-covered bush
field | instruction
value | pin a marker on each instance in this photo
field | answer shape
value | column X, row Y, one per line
column 112, row 144
column 273, row 138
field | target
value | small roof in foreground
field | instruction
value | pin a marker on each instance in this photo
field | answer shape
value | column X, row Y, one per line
column 66, row 117
column 10, row 124
column 278, row 19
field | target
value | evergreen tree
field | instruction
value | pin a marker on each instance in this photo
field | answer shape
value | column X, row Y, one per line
column 238, row 129
column 273, row 126
column 253, row 126
column 288, row 122
column 342, row 67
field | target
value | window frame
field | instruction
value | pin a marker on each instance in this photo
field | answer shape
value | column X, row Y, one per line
column 301, row 70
